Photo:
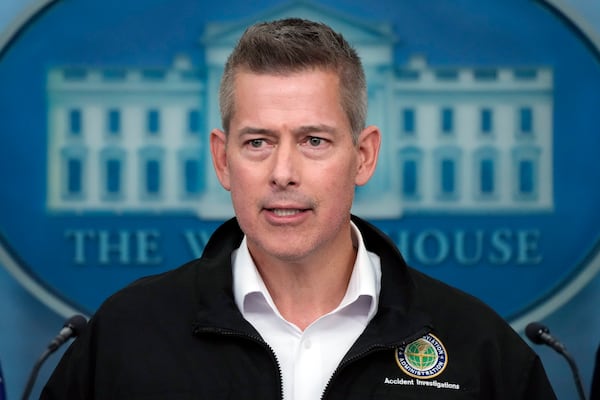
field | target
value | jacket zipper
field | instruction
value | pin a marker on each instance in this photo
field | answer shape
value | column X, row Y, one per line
column 372, row 349
column 256, row 339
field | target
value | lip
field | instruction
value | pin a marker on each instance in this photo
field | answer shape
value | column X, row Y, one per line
column 278, row 215
column 285, row 212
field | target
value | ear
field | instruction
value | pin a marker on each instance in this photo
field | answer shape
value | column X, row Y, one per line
column 218, row 146
column 368, row 145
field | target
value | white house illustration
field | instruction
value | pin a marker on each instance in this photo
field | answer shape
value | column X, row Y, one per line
column 462, row 139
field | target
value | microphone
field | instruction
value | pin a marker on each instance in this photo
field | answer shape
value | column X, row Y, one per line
column 540, row 334
column 72, row 328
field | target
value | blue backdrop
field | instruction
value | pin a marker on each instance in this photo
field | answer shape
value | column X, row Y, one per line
column 27, row 324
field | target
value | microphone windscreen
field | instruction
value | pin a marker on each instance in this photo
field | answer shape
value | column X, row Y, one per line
column 534, row 331
column 77, row 323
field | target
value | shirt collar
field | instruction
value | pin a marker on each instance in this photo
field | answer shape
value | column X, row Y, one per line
column 364, row 281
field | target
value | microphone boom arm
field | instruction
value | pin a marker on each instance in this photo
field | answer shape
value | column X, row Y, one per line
column 540, row 334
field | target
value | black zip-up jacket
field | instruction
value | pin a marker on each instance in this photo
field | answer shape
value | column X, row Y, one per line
column 180, row 335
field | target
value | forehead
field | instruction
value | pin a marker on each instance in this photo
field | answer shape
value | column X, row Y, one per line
column 307, row 90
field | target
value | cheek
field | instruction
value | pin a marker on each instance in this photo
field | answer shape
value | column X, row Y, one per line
column 340, row 175
column 244, row 181
column 243, row 200
column 338, row 182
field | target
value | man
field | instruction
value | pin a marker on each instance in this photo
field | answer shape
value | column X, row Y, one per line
column 294, row 298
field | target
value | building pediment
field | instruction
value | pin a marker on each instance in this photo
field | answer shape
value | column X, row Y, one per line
column 357, row 31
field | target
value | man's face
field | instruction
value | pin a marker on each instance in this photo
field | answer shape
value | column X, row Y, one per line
column 290, row 164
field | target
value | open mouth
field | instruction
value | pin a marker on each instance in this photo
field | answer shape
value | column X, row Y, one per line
column 285, row 212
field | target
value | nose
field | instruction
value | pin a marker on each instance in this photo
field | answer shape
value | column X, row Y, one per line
column 285, row 168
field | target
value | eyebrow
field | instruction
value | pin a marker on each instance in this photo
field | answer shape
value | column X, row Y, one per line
column 248, row 130
column 315, row 128
column 302, row 130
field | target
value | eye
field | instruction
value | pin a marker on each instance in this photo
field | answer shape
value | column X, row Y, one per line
column 256, row 143
column 315, row 141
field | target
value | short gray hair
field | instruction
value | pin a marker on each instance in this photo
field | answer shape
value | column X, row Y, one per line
column 294, row 45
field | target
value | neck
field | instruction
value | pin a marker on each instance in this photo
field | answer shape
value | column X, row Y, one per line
column 306, row 290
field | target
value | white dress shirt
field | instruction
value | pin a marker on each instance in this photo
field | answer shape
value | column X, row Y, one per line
column 308, row 358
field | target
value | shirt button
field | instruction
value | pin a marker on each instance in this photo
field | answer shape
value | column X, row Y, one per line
column 307, row 344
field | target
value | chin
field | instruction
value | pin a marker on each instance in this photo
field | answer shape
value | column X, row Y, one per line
column 288, row 253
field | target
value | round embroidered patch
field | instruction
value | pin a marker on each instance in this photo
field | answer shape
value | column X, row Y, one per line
column 424, row 358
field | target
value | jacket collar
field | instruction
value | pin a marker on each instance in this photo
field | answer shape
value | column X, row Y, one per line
column 396, row 322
